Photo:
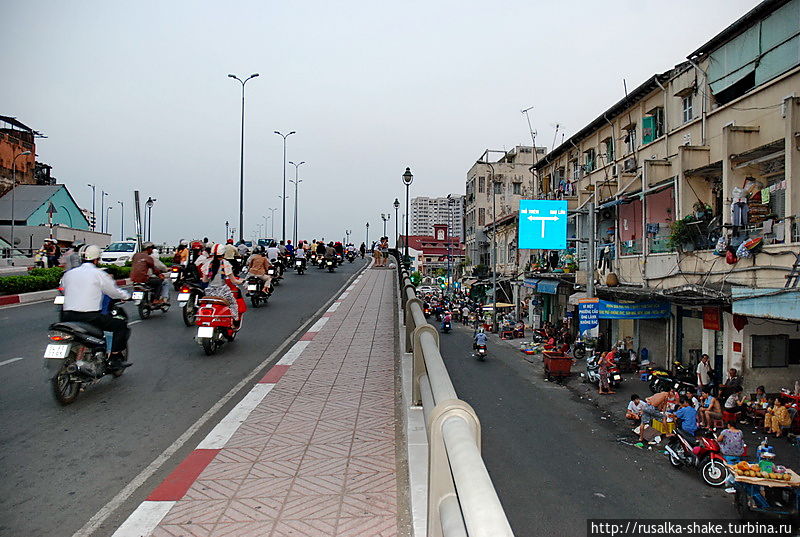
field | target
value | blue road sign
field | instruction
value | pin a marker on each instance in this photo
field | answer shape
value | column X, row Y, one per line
column 542, row 224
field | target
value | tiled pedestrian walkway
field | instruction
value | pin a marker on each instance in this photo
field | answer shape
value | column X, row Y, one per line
column 316, row 455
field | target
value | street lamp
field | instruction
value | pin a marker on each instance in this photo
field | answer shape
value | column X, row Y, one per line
column 449, row 243
column 272, row 216
column 366, row 243
column 107, row 220
column 348, row 232
column 226, row 229
column 149, row 204
column 284, row 136
column 385, row 217
column 296, row 184
column 13, row 189
column 103, row 195
column 396, row 236
column 407, row 180
column 94, row 218
column 241, row 159
column 494, row 245
column 121, row 221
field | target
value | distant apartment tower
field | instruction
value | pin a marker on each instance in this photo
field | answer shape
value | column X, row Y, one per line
column 428, row 212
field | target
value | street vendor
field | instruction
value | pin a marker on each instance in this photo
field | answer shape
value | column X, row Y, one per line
column 776, row 418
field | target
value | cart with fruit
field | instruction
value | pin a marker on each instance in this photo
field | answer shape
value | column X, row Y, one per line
column 766, row 490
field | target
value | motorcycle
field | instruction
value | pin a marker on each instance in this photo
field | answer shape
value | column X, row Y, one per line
column 175, row 274
column 592, row 375
column 702, row 454
column 300, row 266
column 256, row 291
column 661, row 380
column 189, row 294
column 142, row 296
column 446, row 327
column 480, row 352
column 627, row 360
column 215, row 323
column 351, row 256
column 330, row 264
column 78, row 356
column 426, row 312
column 273, row 273
column 313, row 259
column 339, row 259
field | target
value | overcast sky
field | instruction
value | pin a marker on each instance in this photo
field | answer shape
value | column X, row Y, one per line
column 134, row 95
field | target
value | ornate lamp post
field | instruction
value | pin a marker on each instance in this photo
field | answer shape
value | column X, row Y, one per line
column 408, row 178
column 396, row 223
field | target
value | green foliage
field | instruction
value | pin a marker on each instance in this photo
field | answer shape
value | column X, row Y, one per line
column 166, row 259
column 42, row 279
column 679, row 234
column 52, row 272
column 416, row 277
column 118, row 273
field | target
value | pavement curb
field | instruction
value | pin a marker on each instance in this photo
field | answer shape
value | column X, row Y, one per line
column 146, row 517
column 40, row 296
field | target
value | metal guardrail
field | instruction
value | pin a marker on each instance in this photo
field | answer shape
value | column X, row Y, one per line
column 462, row 500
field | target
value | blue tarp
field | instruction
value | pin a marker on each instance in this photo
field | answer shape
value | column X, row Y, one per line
column 549, row 287
column 530, row 283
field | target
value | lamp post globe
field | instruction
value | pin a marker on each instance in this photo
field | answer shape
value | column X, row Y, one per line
column 408, row 178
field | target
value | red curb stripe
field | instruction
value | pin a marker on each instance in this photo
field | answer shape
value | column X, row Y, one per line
column 274, row 374
column 328, row 314
column 11, row 299
column 308, row 336
column 174, row 487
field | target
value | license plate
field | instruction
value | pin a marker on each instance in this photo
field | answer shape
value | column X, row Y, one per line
column 174, row 275
column 617, row 377
column 184, row 297
column 137, row 295
column 251, row 287
column 298, row 263
column 205, row 331
column 56, row 351
column 59, row 299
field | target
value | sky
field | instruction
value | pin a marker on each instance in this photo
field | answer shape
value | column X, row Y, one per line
column 135, row 96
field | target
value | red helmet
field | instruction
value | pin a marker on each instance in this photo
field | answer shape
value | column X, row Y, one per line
column 197, row 245
column 230, row 241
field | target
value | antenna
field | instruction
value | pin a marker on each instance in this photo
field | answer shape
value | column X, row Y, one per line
column 555, row 137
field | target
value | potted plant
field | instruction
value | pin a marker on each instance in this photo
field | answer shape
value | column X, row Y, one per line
column 680, row 236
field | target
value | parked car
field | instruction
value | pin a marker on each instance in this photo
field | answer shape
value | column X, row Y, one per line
column 425, row 289
column 119, row 253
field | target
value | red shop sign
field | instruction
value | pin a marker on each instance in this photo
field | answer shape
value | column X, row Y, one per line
column 712, row 318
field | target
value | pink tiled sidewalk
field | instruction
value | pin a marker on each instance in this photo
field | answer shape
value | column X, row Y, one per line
column 317, row 455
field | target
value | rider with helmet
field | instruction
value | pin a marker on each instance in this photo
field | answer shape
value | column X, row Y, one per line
column 84, row 289
column 257, row 266
column 217, row 272
column 146, row 268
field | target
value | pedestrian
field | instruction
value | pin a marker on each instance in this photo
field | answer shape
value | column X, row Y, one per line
column 362, row 249
column 605, row 364
column 704, row 375
column 376, row 255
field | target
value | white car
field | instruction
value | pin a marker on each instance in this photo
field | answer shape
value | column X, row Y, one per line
column 425, row 289
column 119, row 253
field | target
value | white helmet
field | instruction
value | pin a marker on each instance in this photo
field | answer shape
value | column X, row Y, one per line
column 218, row 249
column 92, row 252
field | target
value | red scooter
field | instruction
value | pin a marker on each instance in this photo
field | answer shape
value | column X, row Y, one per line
column 703, row 454
column 216, row 323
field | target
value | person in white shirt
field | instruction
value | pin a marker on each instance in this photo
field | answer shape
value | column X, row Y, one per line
column 704, row 374
column 84, row 288
column 634, row 410
column 273, row 252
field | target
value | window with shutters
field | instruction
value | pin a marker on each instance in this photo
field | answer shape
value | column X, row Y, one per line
column 481, row 216
column 590, row 160
column 653, row 125
column 609, row 149
column 481, row 185
column 517, row 188
column 770, row 351
column 498, row 187
column 688, row 108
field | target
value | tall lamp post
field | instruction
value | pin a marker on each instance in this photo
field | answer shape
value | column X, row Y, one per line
column 226, row 229
column 241, row 159
column 385, row 217
column 408, row 178
column 366, row 243
column 272, row 216
column 284, row 136
column 103, row 195
column 13, row 189
column 296, row 184
column 121, row 220
column 494, row 245
column 94, row 218
column 149, row 204
column 108, row 221
column 396, row 223
column 449, row 244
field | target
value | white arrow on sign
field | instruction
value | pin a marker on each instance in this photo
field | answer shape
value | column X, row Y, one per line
column 543, row 218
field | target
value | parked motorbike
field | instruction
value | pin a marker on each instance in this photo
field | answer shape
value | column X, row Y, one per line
column 480, row 352
column 215, row 323
column 142, row 296
column 330, row 264
column 300, row 266
column 592, row 375
column 257, row 291
column 627, row 360
column 661, row 380
column 78, row 356
column 702, row 454
column 189, row 294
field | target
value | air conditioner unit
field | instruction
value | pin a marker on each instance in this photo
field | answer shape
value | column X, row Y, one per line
column 614, row 170
column 629, row 165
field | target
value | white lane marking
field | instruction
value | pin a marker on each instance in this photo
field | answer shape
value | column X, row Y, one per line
column 220, row 434
column 293, row 353
column 144, row 520
column 343, row 296
column 123, row 495
column 11, row 361
column 319, row 324
column 334, row 307
column 134, row 322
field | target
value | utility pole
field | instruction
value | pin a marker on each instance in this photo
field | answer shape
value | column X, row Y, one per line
column 590, row 254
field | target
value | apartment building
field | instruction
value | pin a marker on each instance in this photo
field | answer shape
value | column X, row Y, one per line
column 427, row 212
column 494, row 186
column 694, row 163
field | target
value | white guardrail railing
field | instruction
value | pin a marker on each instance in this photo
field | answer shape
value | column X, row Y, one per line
column 462, row 500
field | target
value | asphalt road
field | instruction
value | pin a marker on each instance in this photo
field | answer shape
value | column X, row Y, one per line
column 554, row 462
column 60, row 465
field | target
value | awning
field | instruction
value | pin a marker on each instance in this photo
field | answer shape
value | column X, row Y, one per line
column 549, row 287
column 780, row 303
column 575, row 297
column 530, row 283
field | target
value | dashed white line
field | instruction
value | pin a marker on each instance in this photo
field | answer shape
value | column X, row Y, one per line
column 293, row 353
column 11, row 361
column 220, row 434
column 144, row 519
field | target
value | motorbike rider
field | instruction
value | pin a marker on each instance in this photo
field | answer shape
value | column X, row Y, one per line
column 447, row 319
column 72, row 257
column 480, row 338
column 300, row 252
column 147, row 269
column 362, row 249
column 330, row 252
column 282, row 248
column 217, row 272
column 181, row 253
column 257, row 266
column 321, row 248
column 229, row 254
column 289, row 248
column 84, row 288
column 197, row 256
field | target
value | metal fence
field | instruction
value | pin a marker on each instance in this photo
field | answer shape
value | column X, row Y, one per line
column 462, row 500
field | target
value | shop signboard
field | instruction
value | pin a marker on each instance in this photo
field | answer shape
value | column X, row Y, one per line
column 712, row 318
column 591, row 310
column 542, row 224
column 588, row 318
